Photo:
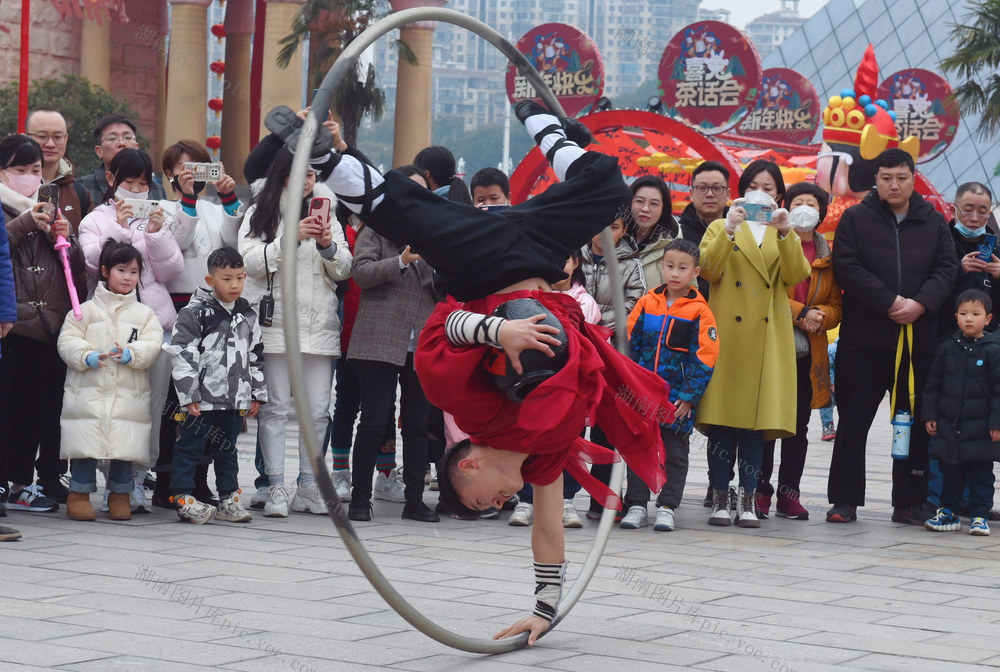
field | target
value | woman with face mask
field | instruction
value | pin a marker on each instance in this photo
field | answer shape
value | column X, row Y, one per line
column 32, row 374
column 815, row 307
column 129, row 178
column 969, row 230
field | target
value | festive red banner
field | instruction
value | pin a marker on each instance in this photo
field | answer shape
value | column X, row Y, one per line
column 787, row 110
column 920, row 100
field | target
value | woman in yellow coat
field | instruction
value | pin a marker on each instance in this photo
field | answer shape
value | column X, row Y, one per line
column 751, row 396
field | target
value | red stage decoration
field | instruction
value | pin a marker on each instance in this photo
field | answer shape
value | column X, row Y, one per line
column 710, row 76
column 218, row 67
column 787, row 110
column 569, row 62
column 919, row 99
column 219, row 31
column 215, row 104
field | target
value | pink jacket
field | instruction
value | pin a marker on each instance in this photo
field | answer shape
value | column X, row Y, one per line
column 162, row 259
column 591, row 311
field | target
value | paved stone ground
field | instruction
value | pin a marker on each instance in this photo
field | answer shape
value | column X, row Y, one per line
column 286, row 596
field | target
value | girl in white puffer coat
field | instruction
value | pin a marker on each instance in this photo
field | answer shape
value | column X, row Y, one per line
column 106, row 402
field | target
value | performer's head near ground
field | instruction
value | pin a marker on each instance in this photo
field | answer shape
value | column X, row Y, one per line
column 472, row 478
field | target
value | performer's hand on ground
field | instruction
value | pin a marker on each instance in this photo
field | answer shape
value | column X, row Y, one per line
column 516, row 336
column 406, row 257
column 532, row 624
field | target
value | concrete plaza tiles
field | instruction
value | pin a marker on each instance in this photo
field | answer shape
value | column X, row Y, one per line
column 283, row 594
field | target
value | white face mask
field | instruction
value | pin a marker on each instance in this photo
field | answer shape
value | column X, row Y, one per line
column 805, row 218
column 122, row 193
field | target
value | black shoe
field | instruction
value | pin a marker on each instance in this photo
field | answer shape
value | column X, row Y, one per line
column 415, row 509
column 993, row 515
column 149, row 481
column 576, row 131
column 527, row 108
column 842, row 513
column 707, row 502
column 359, row 509
column 54, row 489
column 490, row 513
column 161, row 492
column 202, row 492
column 916, row 514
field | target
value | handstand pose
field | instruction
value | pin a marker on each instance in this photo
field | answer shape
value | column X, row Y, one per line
column 488, row 260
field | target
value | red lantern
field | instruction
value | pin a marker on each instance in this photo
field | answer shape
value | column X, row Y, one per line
column 219, row 31
column 215, row 104
column 218, row 67
column 213, row 142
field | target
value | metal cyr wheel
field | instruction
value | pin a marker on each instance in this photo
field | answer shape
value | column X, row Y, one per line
column 296, row 182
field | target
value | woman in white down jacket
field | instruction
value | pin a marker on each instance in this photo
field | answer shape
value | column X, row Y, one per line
column 106, row 402
column 323, row 258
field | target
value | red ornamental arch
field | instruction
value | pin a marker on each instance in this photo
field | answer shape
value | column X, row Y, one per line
column 608, row 129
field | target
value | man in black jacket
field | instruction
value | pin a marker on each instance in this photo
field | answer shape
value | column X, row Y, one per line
column 895, row 261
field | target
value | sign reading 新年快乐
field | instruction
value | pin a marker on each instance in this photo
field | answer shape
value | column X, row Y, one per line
column 920, row 100
column 569, row 62
column 710, row 76
column 787, row 110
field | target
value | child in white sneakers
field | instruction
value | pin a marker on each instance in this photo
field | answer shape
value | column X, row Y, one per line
column 217, row 349
column 106, row 402
column 961, row 410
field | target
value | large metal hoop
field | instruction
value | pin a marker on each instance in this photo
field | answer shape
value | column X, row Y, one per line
column 296, row 182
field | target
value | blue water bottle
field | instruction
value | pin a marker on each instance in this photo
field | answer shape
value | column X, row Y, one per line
column 901, row 424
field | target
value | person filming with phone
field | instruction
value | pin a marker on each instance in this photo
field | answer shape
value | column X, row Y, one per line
column 323, row 259
column 974, row 233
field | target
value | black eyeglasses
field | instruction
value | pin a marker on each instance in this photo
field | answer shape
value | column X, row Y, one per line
column 717, row 189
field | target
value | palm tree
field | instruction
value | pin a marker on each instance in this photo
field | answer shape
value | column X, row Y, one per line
column 976, row 60
column 331, row 25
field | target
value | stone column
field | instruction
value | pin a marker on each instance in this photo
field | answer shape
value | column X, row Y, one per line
column 95, row 52
column 414, row 90
column 187, row 88
column 279, row 86
column 236, row 93
column 160, row 132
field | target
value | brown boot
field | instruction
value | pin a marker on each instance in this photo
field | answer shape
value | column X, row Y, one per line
column 78, row 506
column 118, row 506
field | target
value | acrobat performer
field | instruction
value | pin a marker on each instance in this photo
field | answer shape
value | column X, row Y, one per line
column 511, row 360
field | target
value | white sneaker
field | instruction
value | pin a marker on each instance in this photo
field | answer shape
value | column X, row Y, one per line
column 664, row 519
column 230, row 510
column 276, row 505
column 309, row 500
column 140, row 499
column 570, row 517
column 342, row 483
column 745, row 510
column 193, row 511
column 522, row 516
column 259, row 498
column 635, row 518
column 388, row 488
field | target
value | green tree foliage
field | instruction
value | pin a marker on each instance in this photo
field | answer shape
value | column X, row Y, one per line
column 82, row 102
column 977, row 61
column 331, row 25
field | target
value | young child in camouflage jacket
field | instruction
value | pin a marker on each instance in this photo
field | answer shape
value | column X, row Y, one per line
column 217, row 349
